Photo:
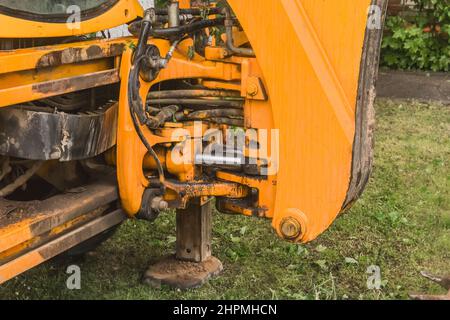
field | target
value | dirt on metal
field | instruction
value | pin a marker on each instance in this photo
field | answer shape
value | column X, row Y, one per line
column 182, row 274
column 11, row 212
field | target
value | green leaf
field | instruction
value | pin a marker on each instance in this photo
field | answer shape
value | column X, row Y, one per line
column 407, row 46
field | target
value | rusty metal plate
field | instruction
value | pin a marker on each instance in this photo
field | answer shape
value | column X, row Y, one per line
column 34, row 135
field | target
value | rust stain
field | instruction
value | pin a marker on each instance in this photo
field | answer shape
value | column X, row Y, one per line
column 76, row 55
column 82, row 82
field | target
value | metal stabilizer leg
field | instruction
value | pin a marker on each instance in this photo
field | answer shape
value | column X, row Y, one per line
column 192, row 265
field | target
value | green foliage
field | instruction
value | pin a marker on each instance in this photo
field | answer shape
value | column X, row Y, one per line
column 420, row 42
column 161, row 3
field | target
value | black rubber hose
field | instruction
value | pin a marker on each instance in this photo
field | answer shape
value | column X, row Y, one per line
column 134, row 100
column 230, row 122
column 181, row 117
column 150, row 149
column 192, row 11
column 169, row 94
column 185, row 29
column 143, row 36
column 197, row 103
column 165, row 114
column 230, row 40
column 138, row 129
column 215, row 113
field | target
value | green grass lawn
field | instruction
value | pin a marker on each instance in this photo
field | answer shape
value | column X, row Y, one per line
column 401, row 224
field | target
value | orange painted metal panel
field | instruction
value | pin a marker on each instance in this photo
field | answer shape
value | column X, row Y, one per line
column 312, row 85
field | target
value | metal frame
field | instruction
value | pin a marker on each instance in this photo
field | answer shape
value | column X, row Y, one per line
column 59, row 245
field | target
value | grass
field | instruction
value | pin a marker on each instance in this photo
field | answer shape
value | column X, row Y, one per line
column 401, row 224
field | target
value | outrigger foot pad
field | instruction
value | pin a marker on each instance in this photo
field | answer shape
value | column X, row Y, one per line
column 180, row 274
column 193, row 264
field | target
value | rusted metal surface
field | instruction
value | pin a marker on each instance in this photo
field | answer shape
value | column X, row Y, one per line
column 22, row 221
column 59, row 54
column 188, row 191
column 202, row 189
column 59, row 245
column 194, row 227
column 41, row 90
column 245, row 207
column 33, row 243
column 30, row 134
column 79, row 54
column 86, row 81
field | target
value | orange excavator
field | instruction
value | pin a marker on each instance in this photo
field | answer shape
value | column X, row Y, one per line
column 259, row 107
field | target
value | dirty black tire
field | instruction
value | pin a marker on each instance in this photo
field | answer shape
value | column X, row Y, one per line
column 91, row 244
column 78, row 252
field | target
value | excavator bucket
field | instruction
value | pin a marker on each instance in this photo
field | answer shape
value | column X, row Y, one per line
column 265, row 105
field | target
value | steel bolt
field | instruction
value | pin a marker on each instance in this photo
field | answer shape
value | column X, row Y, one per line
column 291, row 228
column 252, row 90
column 159, row 204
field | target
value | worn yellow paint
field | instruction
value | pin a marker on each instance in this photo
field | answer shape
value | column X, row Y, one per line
column 23, row 69
column 64, row 242
column 29, row 58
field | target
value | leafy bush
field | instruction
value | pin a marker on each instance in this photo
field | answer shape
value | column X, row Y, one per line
column 420, row 41
column 161, row 3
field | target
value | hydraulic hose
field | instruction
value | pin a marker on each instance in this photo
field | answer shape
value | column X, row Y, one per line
column 133, row 82
column 134, row 100
column 192, row 11
column 198, row 102
column 170, row 94
column 186, row 29
column 230, row 40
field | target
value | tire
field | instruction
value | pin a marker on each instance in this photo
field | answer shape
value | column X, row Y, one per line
column 78, row 252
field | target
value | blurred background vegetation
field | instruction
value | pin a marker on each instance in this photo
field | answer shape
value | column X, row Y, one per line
column 418, row 37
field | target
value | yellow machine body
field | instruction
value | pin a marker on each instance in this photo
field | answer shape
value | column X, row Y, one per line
column 114, row 13
column 313, row 99
column 311, row 82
